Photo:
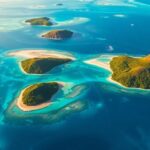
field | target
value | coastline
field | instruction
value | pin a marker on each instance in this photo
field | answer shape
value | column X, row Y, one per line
column 106, row 66
column 100, row 64
column 26, row 108
column 29, row 24
column 20, row 67
column 54, row 39
column 29, row 54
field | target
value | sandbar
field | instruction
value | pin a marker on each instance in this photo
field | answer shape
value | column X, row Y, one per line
column 40, row 54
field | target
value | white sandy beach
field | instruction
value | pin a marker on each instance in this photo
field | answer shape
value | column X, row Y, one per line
column 98, row 63
column 106, row 66
column 24, row 107
column 40, row 54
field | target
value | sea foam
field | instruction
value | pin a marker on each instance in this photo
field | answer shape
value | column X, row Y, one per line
column 74, row 21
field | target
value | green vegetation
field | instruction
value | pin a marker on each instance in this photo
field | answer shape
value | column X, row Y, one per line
column 39, row 93
column 42, row 65
column 131, row 72
column 40, row 21
column 58, row 34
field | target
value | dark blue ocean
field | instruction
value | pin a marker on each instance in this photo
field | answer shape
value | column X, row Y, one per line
column 115, row 118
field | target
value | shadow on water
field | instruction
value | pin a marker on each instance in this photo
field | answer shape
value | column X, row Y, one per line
column 76, row 142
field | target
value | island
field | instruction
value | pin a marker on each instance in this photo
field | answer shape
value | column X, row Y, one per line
column 58, row 34
column 42, row 65
column 37, row 96
column 41, row 61
column 44, row 21
column 47, row 102
column 126, row 71
column 131, row 71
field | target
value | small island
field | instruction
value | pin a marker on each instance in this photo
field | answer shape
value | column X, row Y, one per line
column 58, row 34
column 37, row 96
column 131, row 72
column 41, row 61
column 42, row 65
column 47, row 103
column 44, row 21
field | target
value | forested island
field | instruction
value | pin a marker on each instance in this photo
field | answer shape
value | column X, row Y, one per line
column 45, row 21
column 131, row 71
column 37, row 96
column 42, row 65
column 39, row 93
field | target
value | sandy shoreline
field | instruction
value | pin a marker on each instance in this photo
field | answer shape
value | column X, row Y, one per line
column 40, row 54
column 106, row 66
column 24, row 107
column 98, row 63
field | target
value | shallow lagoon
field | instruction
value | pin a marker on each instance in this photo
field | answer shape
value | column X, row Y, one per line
column 115, row 118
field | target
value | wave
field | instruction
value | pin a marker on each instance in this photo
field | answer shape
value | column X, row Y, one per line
column 120, row 15
column 74, row 21
column 38, row 7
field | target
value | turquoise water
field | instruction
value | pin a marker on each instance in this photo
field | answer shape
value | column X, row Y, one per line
column 104, row 116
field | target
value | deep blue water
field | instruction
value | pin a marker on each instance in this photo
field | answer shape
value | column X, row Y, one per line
column 116, row 118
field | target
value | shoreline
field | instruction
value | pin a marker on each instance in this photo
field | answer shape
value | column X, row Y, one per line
column 29, row 54
column 41, row 35
column 100, row 64
column 26, row 108
column 29, row 24
column 20, row 67
column 40, row 54
column 106, row 66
